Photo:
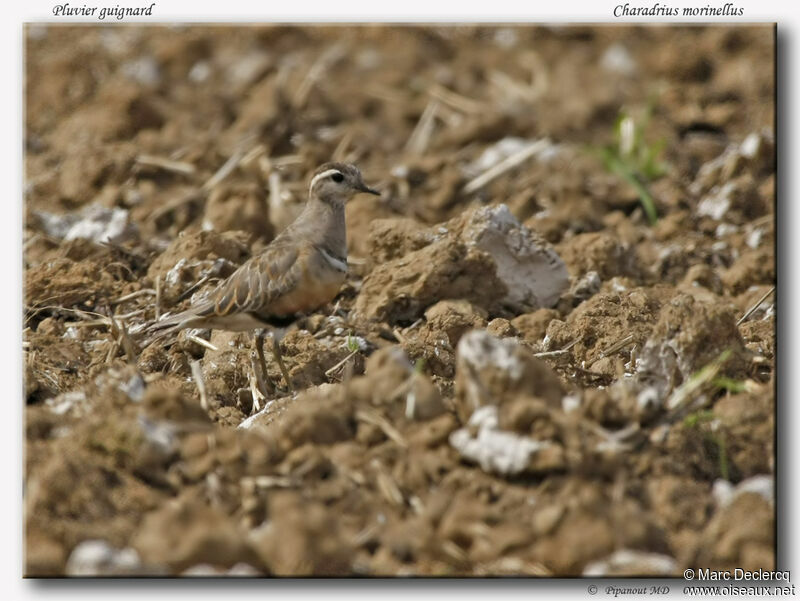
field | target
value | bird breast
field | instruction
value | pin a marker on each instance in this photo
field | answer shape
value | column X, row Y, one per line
column 319, row 283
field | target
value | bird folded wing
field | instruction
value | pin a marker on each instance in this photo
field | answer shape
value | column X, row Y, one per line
column 259, row 282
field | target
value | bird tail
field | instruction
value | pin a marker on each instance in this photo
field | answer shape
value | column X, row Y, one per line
column 156, row 330
column 151, row 331
column 166, row 324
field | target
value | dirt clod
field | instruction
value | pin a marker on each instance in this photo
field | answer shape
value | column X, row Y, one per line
column 489, row 369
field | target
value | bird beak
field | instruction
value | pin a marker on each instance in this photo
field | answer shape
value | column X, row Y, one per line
column 362, row 187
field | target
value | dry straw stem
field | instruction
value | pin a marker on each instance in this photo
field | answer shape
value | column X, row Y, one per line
column 457, row 101
column 680, row 397
column 199, row 195
column 453, row 551
column 540, row 79
column 32, row 239
column 188, row 198
column 122, row 333
column 158, row 298
column 559, row 352
column 253, row 154
column 190, row 290
column 411, row 402
column 267, row 482
column 288, row 160
column 134, row 313
column 617, row 346
column 505, row 165
column 386, row 94
column 387, row 486
column 132, row 295
column 181, row 167
column 416, row 504
column 90, row 318
column 515, row 89
column 347, row 373
column 113, row 348
column 326, row 60
column 367, row 534
column 404, row 387
column 528, row 92
column 333, row 369
column 617, row 441
column 201, row 342
column 752, row 309
column 197, row 375
column 104, row 321
column 275, row 199
column 224, row 171
column 370, row 417
column 341, row 148
column 421, row 136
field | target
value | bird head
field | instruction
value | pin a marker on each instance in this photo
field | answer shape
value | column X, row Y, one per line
column 336, row 183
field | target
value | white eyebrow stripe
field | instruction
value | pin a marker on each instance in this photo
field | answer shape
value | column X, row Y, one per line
column 335, row 262
column 321, row 176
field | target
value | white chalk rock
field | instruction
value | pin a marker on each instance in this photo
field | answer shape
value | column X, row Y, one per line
column 756, row 152
column 717, row 203
column 529, row 267
column 495, row 450
column 204, row 569
column 724, row 492
column 617, row 59
column 95, row 223
column 628, row 562
column 490, row 369
column 99, row 558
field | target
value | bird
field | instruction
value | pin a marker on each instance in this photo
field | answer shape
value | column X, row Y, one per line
column 299, row 271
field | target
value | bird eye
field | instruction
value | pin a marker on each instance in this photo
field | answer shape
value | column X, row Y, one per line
column 337, row 177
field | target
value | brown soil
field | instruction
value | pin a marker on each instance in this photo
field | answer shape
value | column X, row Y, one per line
column 449, row 420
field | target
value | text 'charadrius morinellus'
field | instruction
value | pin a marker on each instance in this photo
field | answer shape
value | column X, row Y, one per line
column 299, row 271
